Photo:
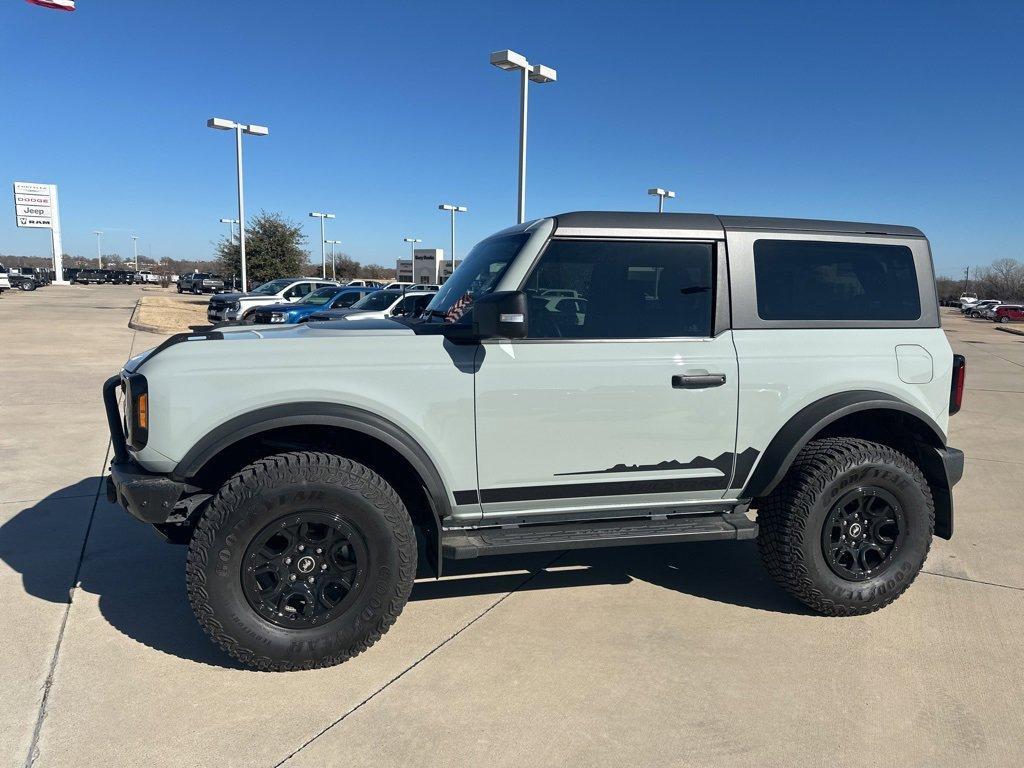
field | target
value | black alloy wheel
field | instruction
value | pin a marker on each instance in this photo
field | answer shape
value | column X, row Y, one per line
column 304, row 569
column 863, row 533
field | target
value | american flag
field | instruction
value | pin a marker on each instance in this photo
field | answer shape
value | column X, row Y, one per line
column 60, row 5
column 458, row 308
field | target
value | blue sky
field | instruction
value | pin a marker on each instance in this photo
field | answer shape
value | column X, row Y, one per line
column 896, row 112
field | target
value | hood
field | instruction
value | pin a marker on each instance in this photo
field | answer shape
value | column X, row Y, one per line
column 283, row 307
column 237, row 295
column 350, row 328
column 338, row 314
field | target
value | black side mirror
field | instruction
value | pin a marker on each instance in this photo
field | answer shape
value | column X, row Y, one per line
column 501, row 315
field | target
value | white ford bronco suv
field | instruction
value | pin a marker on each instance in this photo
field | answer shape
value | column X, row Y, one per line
column 708, row 367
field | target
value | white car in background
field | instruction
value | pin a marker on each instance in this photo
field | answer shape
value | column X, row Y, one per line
column 5, row 284
column 145, row 276
column 380, row 305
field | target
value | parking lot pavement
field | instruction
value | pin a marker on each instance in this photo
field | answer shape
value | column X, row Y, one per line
column 639, row 656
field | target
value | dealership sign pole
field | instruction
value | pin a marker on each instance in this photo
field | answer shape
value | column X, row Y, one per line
column 35, row 207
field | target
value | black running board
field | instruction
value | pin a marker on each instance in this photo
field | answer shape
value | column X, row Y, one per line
column 462, row 543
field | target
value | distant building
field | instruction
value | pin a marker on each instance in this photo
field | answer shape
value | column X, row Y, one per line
column 427, row 267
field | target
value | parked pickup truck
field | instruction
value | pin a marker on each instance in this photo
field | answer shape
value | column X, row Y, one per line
column 232, row 307
column 199, row 282
column 708, row 366
column 92, row 276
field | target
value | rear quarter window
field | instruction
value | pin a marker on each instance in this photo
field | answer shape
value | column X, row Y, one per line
column 821, row 280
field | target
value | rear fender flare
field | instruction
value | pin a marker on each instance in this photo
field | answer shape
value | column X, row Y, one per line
column 809, row 421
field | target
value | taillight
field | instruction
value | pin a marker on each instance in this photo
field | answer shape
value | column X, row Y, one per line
column 956, row 387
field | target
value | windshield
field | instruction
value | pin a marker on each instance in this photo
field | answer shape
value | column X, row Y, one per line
column 377, row 301
column 274, row 286
column 320, row 296
column 475, row 276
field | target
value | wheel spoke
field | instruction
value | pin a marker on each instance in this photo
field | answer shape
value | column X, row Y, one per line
column 301, row 569
column 862, row 533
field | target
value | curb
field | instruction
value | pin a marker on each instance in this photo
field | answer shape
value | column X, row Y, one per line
column 1014, row 331
column 136, row 325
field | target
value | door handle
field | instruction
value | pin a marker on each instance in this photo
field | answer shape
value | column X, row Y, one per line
column 698, row 381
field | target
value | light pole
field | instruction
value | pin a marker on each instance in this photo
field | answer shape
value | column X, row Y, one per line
column 323, row 248
column 135, row 250
column 239, row 128
column 661, row 195
column 99, row 253
column 538, row 73
column 453, row 209
column 334, row 273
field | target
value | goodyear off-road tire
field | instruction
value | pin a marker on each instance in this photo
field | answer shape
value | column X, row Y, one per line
column 835, row 488
column 285, row 505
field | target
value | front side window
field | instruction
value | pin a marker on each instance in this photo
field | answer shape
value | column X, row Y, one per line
column 346, row 299
column 821, row 280
column 621, row 290
column 377, row 301
column 478, row 274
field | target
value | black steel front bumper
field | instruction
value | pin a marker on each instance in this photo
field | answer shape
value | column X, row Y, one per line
column 145, row 495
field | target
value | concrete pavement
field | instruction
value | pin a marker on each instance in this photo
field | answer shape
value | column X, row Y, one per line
column 640, row 656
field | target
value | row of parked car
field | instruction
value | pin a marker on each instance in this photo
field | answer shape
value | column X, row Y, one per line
column 111, row 276
column 301, row 299
column 996, row 310
column 24, row 278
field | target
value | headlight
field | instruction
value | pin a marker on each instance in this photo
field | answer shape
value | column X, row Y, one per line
column 278, row 317
column 235, row 305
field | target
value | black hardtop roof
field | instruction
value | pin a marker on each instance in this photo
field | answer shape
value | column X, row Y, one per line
column 707, row 221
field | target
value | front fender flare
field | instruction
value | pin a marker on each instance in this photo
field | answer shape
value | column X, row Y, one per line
column 328, row 414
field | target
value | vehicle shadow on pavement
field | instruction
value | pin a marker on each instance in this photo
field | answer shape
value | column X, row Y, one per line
column 139, row 579
column 722, row 571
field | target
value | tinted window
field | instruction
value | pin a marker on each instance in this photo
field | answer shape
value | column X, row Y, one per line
column 377, row 301
column 621, row 290
column 816, row 280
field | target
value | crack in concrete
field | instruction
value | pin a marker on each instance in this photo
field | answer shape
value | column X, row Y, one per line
column 33, row 747
column 972, row 581
column 424, row 657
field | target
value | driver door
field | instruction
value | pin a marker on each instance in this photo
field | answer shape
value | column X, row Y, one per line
column 622, row 396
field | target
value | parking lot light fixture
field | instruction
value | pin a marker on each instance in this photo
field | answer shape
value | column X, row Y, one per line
column 323, row 244
column 231, row 228
column 537, row 73
column 453, row 209
column 412, row 245
column 99, row 253
column 135, row 250
column 221, row 124
column 661, row 194
column 334, row 272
